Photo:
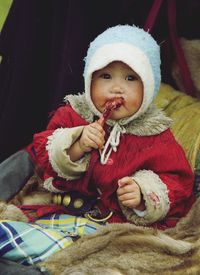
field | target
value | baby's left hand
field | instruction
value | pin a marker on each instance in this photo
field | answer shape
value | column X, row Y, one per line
column 129, row 194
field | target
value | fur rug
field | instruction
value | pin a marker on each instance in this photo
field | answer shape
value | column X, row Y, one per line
column 121, row 249
column 125, row 249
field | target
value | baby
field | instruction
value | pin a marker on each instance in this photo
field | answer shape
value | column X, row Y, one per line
column 130, row 166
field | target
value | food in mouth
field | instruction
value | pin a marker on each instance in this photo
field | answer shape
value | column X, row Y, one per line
column 111, row 105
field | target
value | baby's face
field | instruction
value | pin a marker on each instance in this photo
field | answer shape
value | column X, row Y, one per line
column 117, row 80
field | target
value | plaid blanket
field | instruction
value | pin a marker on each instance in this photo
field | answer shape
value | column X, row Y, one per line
column 29, row 243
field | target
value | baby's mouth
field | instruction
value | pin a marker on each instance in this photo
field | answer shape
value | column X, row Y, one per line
column 110, row 105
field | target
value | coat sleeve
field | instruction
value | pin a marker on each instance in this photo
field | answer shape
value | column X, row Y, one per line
column 51, row 145
column 167, row 184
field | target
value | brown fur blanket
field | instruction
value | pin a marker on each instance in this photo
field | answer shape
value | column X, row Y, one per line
column 127, row 249
column 122, row 249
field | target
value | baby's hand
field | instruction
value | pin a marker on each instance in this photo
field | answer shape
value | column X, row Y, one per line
column 129, row 194
column 92, row 137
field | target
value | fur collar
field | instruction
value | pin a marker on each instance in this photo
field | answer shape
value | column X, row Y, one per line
column 152, row 122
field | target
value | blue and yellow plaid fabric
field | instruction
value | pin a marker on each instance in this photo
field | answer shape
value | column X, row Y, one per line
column 29, row 243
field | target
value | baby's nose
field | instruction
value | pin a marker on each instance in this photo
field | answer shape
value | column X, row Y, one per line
column 116, row 90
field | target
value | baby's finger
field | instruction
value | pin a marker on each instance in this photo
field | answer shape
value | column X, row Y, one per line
column 97, row 139
column 96, row 130
column 127, row 196
column 125, row 181
column 125, row 189
column 97, row 127
column 131, row 203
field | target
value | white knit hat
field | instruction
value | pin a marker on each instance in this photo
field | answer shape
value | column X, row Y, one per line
column 134, row 47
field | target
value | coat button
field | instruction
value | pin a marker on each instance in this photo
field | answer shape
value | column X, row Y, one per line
column 109, row 161
column 66, row 200
column 57, row 199
column 78, row 203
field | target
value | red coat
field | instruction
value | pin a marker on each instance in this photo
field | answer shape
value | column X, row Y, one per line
column 159, row 153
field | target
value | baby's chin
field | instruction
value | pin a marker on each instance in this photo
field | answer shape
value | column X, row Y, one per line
column 117, row 117
column 118, row 114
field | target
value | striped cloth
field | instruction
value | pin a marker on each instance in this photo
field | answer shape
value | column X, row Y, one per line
column 29, row 243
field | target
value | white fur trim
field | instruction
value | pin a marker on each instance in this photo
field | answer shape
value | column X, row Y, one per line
column 48, row 185
column 152, row 122
column 140, row 213
column 155, row 195
column 58, row 143
column 133, row 57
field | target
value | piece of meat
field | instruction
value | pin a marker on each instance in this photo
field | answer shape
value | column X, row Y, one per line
column 110, row 105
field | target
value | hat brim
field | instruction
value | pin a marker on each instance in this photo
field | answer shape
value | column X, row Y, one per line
column 135, row 59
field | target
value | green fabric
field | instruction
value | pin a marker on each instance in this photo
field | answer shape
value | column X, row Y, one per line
column 4, row 9
column 185, row 112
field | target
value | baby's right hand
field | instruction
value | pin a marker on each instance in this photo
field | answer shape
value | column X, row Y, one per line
column 92, row 137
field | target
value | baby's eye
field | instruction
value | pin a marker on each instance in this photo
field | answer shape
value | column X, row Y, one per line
column 131, row 77
column 105, row 76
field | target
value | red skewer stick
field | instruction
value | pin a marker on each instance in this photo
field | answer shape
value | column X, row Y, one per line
column 110, row 106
